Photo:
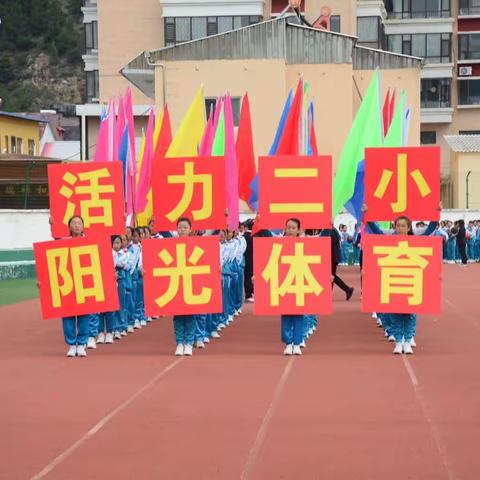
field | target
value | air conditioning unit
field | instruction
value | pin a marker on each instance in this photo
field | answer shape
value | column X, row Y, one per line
column 464, row 71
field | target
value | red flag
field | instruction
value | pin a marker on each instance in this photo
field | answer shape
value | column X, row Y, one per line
column 164, row 138
column 391, row 109
column 289, row 142
column 386, row 113
column 245, row 152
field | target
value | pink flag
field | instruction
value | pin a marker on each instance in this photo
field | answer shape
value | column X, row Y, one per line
column 231, row 170
column 101, row 152
column 111, row 119
column 203, row 148
column 132, row 158
column 146, row 170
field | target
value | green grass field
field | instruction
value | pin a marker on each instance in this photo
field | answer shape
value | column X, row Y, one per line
column 13, row 291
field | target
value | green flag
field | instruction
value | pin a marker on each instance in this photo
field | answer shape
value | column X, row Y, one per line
column 218, row 147
column 366, row 131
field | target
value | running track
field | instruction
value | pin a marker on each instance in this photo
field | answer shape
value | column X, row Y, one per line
column 346, row 409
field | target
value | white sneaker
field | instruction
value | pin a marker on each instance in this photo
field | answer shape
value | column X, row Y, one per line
column 91, row 343
column 379, row 323
column 199, row 344
column 188, row 350
column 391, row 338
column 101, row 338
column 215, row 335
column 374, row 315
column 72, row 351
column 250, row 300
column 221, row 326
column 109, row 338
column 398, row 348
column 314, row 328
column 239, row 311
column 149, row 319
column 123, row 333
column 179, row 350
column 288, row 350
column 130, row 329
column 230, row 318
column 228, row 322
column 297, row 350
column 413, row 343
column 137, row 325
column 81, row 352
column 143, row 323
column 206, row 340
column 236, row 314
column 407, row 348
column 117, row 335
column 303, row 345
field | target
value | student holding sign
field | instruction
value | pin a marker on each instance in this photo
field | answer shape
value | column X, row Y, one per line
column 403, row 325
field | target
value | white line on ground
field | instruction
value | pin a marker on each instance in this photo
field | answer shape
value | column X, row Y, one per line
column 97, row 427
column 262, row 431
column 442, row 451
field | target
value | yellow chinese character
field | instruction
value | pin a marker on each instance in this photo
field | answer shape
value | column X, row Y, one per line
column 299, row 279
column 402, row 271
column 184, row 269
column 57, row 262
column 94, row 190
column 401, row 204
column 296, row 207
column 189, row 179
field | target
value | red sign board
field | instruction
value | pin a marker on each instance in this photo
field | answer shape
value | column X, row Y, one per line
column 292, row 275
column 76, row 277
column 192, row 187
column 402, row 181
column 182, row 276
column 402, row 274
column 295, row 186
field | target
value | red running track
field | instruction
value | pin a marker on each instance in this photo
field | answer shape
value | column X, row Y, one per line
column 346, row 409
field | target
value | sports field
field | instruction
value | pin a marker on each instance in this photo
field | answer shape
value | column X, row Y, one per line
column 346, row 409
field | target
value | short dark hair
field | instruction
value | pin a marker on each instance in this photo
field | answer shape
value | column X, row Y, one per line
column 184, row 219
column 74, row 217
column 294, row 220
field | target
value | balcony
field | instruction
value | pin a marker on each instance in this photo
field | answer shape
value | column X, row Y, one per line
column 436, row 115
column 417, row 9
column 469, row 8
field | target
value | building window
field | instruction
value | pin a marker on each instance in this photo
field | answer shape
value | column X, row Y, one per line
column 436, row 93
column 469, row 7
column 91, row 36
column 184, row 29
column 469, row 92
column 418, row 8
column 368, row 31
column 210, row 103
column 469, row 46
column 31, row 147
column 469, row 132
column 434, row 47
column 428, row 138
column 335, row 23
column 19, row 146
column 92, row 86
column 13, row 145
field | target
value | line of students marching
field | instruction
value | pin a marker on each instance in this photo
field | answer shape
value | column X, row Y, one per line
column 87, row 331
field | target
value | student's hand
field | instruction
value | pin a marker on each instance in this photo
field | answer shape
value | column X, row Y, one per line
column 38, row 284
column 50, row 220
column 226, row 213
column 253, row 279
column 440, row 206
column 364, row 208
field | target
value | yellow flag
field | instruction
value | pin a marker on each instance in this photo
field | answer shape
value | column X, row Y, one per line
column 187, row 139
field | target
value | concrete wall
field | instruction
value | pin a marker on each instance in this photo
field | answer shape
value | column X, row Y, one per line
column 464, row 163
column 21, row 228
column 235, row 76
column 125, row 28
